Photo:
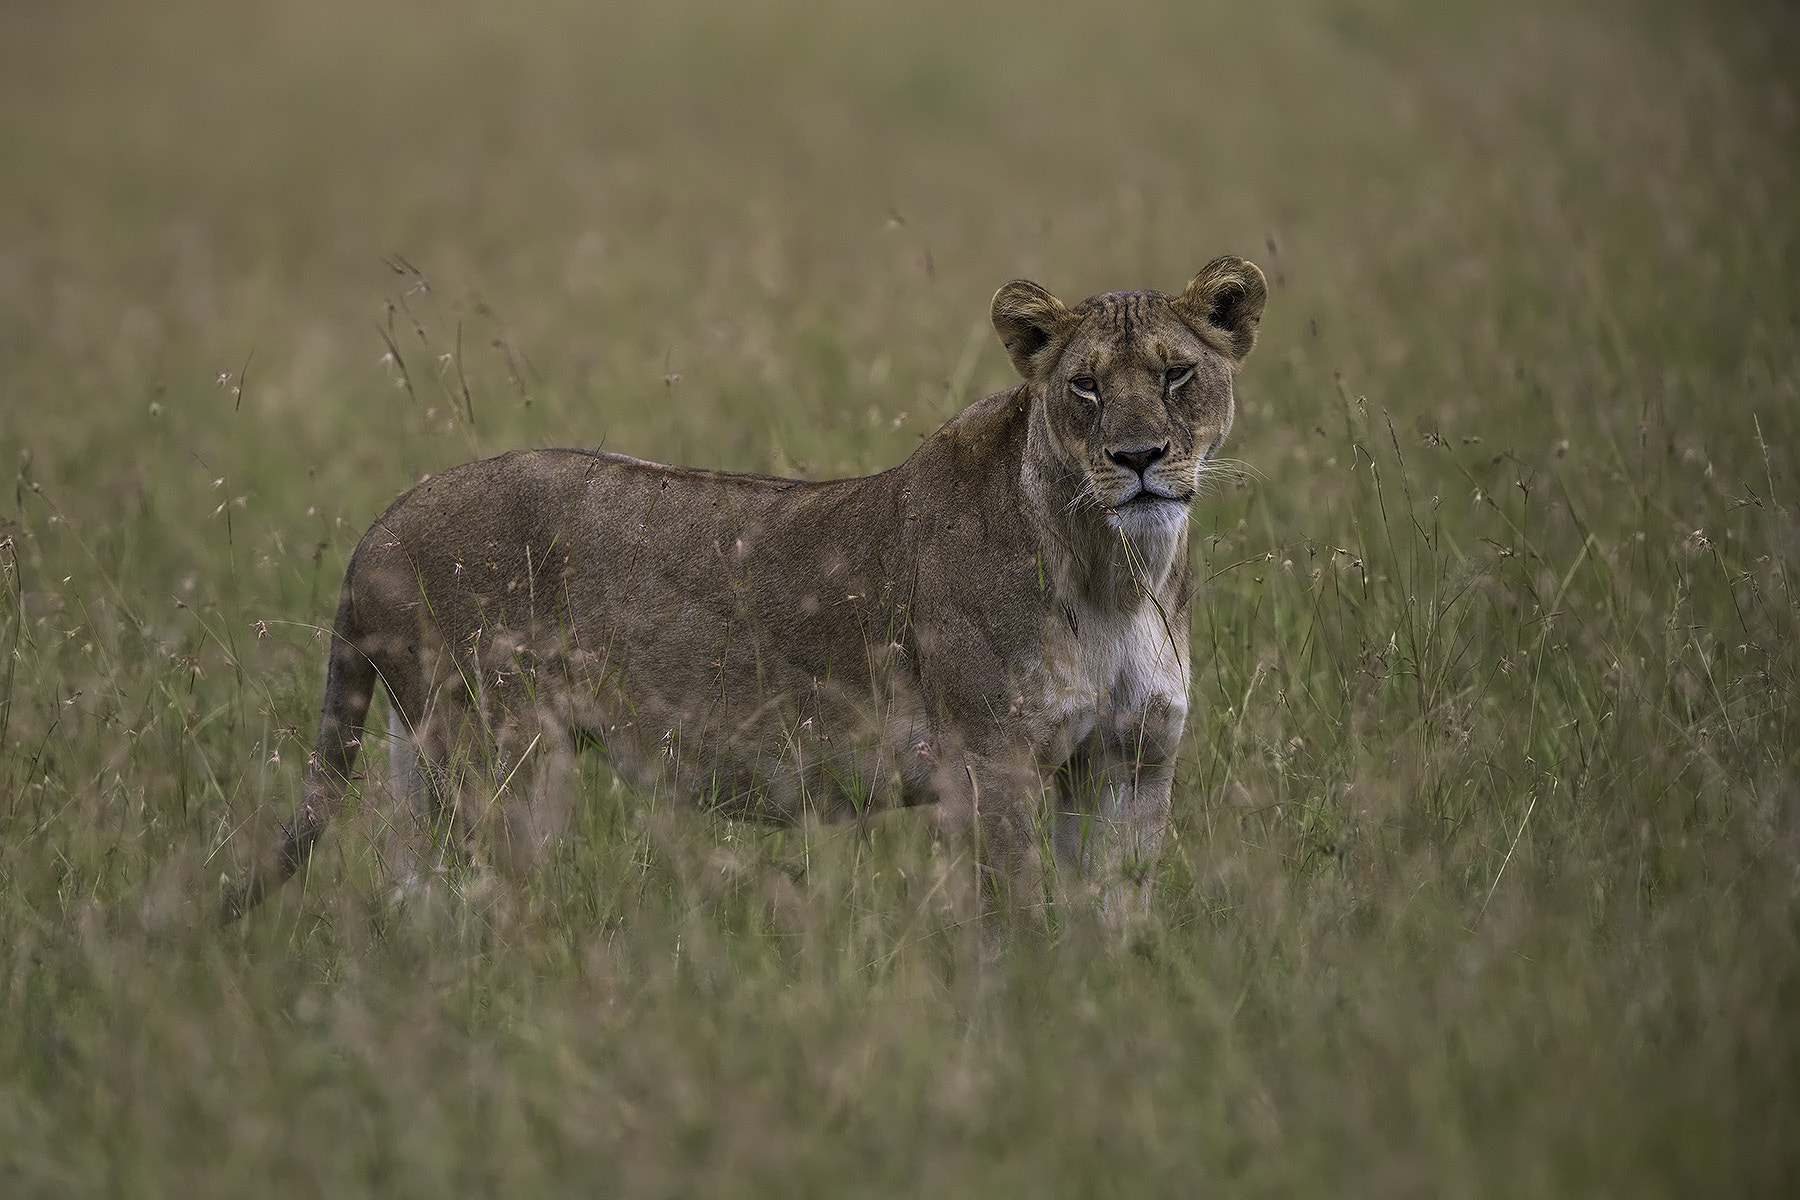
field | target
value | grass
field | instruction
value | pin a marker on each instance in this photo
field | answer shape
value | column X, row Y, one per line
column 1483, row 879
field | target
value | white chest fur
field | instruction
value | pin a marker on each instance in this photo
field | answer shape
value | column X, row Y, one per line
column 1106, row 671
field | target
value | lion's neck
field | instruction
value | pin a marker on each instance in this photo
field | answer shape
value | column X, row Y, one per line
column 1109, row 564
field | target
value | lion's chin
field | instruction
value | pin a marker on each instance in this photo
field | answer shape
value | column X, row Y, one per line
column 1148, row 513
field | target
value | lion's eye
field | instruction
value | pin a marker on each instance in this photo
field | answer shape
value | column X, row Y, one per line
column 1085, row 387
column 1174, row 377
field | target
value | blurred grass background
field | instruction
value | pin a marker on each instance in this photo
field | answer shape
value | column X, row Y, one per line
column 1485, row 878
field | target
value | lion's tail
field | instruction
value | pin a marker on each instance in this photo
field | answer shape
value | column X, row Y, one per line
column 349, row 687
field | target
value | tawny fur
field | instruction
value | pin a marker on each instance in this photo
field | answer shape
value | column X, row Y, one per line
column 1007, row 607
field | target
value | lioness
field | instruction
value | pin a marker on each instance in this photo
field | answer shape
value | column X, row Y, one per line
column 1008, row 604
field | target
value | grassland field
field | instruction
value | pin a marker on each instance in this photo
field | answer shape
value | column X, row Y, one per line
column 1484, row 877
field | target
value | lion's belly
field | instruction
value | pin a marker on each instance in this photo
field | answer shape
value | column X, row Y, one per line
column 723, row 718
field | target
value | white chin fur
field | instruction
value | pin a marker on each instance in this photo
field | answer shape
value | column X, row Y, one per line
column 1162, row 518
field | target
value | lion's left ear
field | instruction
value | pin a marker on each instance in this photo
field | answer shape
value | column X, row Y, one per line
column 1226, row 297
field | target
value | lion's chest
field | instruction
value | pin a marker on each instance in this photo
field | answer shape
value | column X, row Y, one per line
column 1123, row 676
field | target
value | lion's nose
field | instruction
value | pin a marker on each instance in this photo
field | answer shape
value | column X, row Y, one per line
column 1138, row 459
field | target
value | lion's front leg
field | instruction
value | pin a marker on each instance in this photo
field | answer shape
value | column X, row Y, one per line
column 993, row 805
column 1111, row 816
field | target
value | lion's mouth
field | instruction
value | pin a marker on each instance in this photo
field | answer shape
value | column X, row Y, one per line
column 1144, row 498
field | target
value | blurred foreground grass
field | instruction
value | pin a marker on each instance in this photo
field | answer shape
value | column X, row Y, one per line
column 1486, row 875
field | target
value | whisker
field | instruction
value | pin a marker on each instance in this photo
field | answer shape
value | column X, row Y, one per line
column 1084, row 496
column 1231, row 468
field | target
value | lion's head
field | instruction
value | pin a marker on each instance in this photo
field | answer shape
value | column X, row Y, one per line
column 1135, row 387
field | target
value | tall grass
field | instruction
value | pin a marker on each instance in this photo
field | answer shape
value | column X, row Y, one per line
column 1484, row 871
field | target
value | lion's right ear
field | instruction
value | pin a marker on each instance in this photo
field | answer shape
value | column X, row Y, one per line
column 1032, row 324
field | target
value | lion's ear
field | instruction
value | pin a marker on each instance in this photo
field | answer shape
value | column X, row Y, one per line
column 1032, row 325
column 1227, row 297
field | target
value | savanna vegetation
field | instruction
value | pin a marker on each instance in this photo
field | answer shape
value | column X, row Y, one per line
column 1485, row 870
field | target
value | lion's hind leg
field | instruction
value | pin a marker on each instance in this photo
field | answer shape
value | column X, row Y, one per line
column 438, row 752
column 418, row 817
column 485, row 780
column 535, row 767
